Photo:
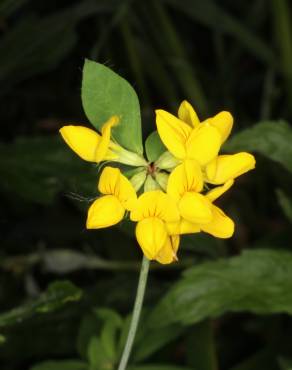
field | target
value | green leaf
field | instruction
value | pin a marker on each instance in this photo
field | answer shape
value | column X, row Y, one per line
column 61, row 365
column 285, row 363
column 153, row 340
column 2, row 339
column 154, row 147
column 109, row 332
column 97, row 356
column 58, row 294
column 271, row 139
column 258, row 281
column 89, row 327
column 104, row 94
column 200, row 346
column 285, row 203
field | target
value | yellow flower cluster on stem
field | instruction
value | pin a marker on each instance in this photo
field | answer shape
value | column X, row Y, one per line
column 180, row 187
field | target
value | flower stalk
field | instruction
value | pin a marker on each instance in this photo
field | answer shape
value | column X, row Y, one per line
column 136, row 313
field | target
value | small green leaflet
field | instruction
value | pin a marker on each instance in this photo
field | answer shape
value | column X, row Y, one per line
column 104, row 94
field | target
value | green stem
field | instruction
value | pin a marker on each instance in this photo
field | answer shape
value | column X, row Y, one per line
column 136, row 313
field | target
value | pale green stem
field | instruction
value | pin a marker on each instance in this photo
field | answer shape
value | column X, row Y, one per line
column 136, row 313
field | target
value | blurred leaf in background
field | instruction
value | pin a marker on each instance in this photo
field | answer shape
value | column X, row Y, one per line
column 231, row 308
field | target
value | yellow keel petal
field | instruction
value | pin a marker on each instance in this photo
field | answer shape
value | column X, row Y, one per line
column 223, row 122
column 168, row 252
column 82, row 140
column 104, row 212
column 221, row 225
column 151, row 235
column 226, row 167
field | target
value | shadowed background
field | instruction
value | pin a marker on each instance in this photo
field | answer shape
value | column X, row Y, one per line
column 62, row 287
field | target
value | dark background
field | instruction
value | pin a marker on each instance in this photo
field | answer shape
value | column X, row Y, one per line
column 227, row 55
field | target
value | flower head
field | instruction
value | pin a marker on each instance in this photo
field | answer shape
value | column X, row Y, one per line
column 187, row 138
column 153, row 210
column 118, row 196
column 201, row 142
column 177, row 198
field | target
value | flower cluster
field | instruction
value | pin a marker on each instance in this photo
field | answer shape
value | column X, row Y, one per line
column 173, row 196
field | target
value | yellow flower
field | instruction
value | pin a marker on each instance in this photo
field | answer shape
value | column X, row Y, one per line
column 184, row 185
column 152, row 211
column 198, row 213
column 187, row 138
column 93, row 147
column 119, row 196
column 227, row 167
column 88, row 144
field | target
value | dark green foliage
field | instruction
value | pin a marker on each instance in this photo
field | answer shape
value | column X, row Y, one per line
column 57, row 294
column 243, row 283
column 66, row 293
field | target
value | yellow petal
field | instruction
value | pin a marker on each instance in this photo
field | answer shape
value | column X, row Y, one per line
column 187, row 227
column 185, row 177
column 203, row 144
column 155, row 204
column 195, row 208
column 221, row 225
column 113, row 182
column 186, row 113
column 104, row 143
column 226, row 167
column 105, row 211
column 82, row 140
column 223, row 122
column 126, row 193
column 168, row 252
column 219, row 190
column 173, row 133
column 108, row 180
column 173, row 228
column 182, row 227
column 151, row 235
